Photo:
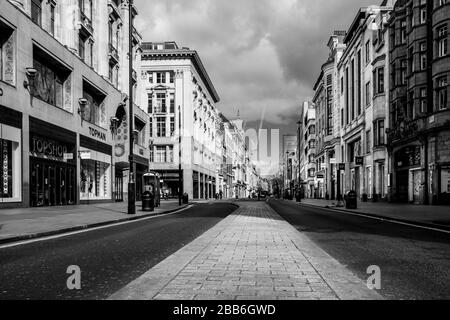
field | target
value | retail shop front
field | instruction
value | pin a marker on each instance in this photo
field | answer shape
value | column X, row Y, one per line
column 52, row 165
column 95, row 169
column 10, row 157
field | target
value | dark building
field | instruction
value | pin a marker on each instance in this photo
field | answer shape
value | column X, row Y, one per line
column 419, row 141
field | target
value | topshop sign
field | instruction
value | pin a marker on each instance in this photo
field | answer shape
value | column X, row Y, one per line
column 48, row 148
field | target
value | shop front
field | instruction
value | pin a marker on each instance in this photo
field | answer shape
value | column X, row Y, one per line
column 409, row 175
column 10, row 156
column 95, row 171
column 52, row 165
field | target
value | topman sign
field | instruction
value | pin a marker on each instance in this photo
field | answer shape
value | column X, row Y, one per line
column 97, row 134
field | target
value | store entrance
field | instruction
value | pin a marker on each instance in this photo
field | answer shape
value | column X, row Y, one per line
column 52, row 183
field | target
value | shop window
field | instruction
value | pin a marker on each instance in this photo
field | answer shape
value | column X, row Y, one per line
column 7, row 54
column 95, row 179
column 10, row 164
column 94, row 111
column 52, row 83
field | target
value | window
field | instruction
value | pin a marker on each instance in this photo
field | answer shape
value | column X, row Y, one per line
column 150, row 77
column 160, row 103
column 403, row 31
column 150, row 103
column 172, row 103
column 379, row 133
column 36, row 11
column 367, row 51
column 52, row 82
column 172, row 126
column 150, row 127
column 160, row 156
column 160, row 77
column 368, row 97
column 423, row 100
column 160, row 127
column 368, row 141
column 172, row 75
column 139, row 126
column 52, row 19
column 86, row 8
column 94, row 111
column 404, row 65
column 7, row 54
column 442, row 41
column 81, row 47
column 441, row 93
column 423, row 55
column 423, row 15
column 442, row 2
column 379, row 81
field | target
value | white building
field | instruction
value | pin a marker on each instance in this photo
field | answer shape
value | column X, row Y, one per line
column 174, row 85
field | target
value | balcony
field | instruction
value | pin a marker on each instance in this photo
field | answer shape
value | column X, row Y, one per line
column 113, row 54
column 86, row 24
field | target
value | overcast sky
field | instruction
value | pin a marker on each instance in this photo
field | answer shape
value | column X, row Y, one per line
column 260, row 54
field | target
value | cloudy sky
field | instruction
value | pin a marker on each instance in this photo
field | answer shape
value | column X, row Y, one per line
column 263, row 56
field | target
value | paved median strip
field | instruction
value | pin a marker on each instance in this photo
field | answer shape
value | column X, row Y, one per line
column 252, row 254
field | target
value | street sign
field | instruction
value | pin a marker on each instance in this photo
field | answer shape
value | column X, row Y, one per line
column 68, row 156
column 359, row 161
column 341, row 166
column 85, row 155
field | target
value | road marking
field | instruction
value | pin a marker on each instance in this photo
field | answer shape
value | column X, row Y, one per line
column 24, row 242
column 378, row 218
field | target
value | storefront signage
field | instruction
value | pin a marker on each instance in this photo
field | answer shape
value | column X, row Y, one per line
column 68, row 156
column 341, row 166
column 85, row 155
column 41, row 146
column 97, row 134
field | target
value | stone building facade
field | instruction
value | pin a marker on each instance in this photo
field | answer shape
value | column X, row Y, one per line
column 420, row 102
column 61, row 111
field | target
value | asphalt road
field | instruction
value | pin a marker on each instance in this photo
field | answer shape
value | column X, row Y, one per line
column 415, row 263
column 109, row 258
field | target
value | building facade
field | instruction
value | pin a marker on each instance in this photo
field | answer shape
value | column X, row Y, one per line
column 420, row 104
column 181, row 103
column 60, row 109
column 356, row 71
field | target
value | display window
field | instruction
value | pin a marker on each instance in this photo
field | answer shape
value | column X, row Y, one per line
column 95, row 176
column 10, row 164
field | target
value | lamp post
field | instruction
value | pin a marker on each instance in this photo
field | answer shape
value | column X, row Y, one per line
column 180, row 180
column 131, row 179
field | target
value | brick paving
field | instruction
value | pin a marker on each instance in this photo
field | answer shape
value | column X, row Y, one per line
column 253, row 254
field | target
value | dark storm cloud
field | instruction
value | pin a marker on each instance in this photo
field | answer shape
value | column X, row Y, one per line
column 262, row 55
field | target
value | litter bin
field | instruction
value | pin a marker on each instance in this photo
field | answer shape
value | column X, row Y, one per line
column 350, row 200
column 148, row 202
column 185, row 198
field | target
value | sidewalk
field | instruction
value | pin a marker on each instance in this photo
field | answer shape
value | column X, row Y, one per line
column 26, row 223
column 433, row 216
column 253, row 254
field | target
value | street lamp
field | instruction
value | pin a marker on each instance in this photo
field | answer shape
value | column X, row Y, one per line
column 180, row 181
column 131, row 179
